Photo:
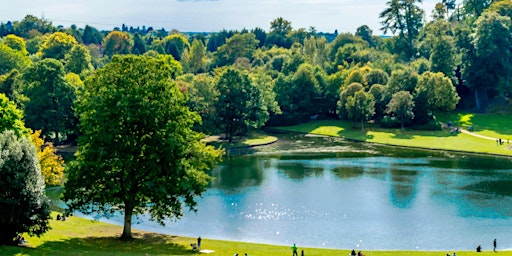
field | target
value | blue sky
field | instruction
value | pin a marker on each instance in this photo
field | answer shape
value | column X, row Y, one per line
column 205, row 15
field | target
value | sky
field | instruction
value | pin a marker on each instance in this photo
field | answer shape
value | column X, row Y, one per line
column 205, row 15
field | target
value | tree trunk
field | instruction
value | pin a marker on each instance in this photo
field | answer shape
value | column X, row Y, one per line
column 403, row 117
column 477, row 100
column 227, row 132
column 362, row 125
column 127, row 229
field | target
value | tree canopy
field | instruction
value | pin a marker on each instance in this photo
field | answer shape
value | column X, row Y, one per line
column 137, row 153
column 24, row 207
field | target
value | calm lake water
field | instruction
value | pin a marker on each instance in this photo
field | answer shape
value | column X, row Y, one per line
column 325, row 192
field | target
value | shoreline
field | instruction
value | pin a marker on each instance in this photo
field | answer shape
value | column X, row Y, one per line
column 282, row 131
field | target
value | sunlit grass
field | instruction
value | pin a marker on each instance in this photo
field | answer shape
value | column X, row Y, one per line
column 253, row 138
column 491, row 125
column 409, row 138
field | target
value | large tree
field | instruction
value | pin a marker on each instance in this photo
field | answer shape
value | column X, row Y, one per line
column 279, row 30
column 345, row 94
column 401, row 104
column 91, row 35
column 474, row 8
column 49, row 104
column 11, row 118
column 52, row 164
column 238, row 100
column 138, row 153
column 175, row 44
column 361, row 107
column 195, row 58
column 442, row 57
column 32, row 26
column 296, row 96
column 57, row 45
column 439, row 91
column 487, row 58
column 404, row 17
column 24, row 206
column 11, row 59
column 381, row 96
column 78, row 60
column 202, row 95
column 403, row 80
column 238, row 46
column 116, row 42
column 16, row 43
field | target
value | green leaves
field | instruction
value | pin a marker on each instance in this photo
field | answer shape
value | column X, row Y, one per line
column 24, row 206
column 138, row 152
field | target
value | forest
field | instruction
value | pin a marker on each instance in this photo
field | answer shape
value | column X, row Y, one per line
column 460, row 57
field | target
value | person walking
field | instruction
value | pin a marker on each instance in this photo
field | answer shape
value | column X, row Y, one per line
column 494, row 243
column 199, row 243
column 294, row 250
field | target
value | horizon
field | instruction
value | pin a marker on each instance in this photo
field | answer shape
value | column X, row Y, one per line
column 325, row 16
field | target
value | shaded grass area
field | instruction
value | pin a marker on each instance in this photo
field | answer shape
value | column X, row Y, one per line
column 410, row 138
column 78, row 236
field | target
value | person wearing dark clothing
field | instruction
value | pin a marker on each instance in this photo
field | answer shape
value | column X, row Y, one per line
column 479, row 249
column 199, row 243
column 353, row 253
column 494, row 243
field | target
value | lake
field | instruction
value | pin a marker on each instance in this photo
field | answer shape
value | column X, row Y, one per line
column 327, row 192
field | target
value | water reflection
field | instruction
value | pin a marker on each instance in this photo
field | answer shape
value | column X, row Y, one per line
column 299, row 170
column 235, row 174
column 331, row 193
column 403, row 187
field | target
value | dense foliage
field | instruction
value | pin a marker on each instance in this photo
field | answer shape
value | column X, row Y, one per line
column 137, row 152
column 469, row 44
column 24, row 206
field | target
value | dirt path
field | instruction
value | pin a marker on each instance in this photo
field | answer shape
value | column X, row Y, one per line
column 476, row 135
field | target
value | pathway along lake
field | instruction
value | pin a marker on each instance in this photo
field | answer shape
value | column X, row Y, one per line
column 327, row 192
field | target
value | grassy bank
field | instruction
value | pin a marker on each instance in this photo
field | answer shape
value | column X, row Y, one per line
column 496, row 126
column 253, row 138
column 78, row 236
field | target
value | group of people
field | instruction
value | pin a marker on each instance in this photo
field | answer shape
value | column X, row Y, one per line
column 294, row 251
column 353, row 253
column 20, row 240
column 63, row 218
column 479, row 247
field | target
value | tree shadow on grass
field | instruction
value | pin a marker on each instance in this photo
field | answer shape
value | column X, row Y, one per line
column 403, row 136
column 410, row 134
column 144, row 244
column 355, row 134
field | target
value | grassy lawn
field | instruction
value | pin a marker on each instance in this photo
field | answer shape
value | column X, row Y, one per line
column 78, row 236
column 253, row 138
column 414, row 138
column 491, row 125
